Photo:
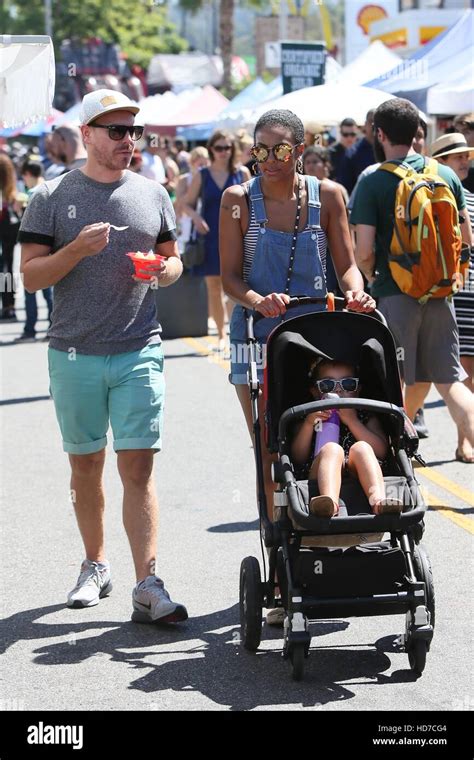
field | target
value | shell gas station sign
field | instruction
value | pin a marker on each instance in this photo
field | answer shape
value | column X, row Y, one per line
column 409, row 30
column 359, row 17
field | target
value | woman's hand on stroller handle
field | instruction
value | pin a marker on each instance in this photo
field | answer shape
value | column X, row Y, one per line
column 276, row 304
column 272, row 305
column 359, row 300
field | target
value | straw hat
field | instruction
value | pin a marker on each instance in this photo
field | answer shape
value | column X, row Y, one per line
column 455, row 142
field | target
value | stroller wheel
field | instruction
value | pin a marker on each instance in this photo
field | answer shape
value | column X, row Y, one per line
column 297, row 658
column 250, row 603
column 417, row 655
column 425, row 573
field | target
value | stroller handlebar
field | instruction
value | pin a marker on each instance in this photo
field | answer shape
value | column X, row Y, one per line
column 334, row 303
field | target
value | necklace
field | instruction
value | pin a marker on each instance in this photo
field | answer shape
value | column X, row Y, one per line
column 295, row 235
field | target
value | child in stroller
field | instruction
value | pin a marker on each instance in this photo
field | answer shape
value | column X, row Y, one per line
column 361, row 449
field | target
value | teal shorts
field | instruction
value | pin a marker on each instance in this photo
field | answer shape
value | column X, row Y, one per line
column 126, row 389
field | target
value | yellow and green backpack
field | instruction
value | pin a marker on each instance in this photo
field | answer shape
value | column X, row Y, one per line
column 425, row 250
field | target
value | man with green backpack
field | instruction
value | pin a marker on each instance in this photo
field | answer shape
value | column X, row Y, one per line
column 412, row 239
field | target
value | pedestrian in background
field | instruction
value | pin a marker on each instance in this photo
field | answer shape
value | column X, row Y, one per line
column 453, row 151
column 68, row 147
column 316, row 163
column 348, row 133
column 427, row 332
column 208, row 185
column 359, row 156
column 198, row 158
column 11, row 209
column 32, row 176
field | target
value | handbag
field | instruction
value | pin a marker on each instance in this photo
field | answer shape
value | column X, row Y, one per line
column 194, row 250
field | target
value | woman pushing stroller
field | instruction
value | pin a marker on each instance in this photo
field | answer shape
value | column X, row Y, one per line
column 278, row 234
column 361, row 446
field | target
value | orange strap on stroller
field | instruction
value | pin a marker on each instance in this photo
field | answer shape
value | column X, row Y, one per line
column 331, row 304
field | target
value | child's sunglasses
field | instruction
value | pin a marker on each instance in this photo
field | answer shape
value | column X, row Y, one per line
column 281, row 151
column 327, row 385
column 118, row 131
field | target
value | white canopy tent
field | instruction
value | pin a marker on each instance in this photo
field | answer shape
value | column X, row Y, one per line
column 234, row 116
column 158, row 109
column 27, row 78
column 453, row 96
column 377, row 60
column 328, row 104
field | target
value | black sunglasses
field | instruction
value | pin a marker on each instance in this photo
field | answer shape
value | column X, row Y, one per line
column 348, row 134
column 281, row 151
column 328, row 385
column 118, row 131
column 221, row 148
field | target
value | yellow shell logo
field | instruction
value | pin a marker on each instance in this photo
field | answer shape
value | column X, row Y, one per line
column 368, row 14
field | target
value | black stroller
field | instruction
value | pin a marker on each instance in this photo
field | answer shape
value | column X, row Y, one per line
column 340, row 566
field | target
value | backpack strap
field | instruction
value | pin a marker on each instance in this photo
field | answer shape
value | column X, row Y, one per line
column 431, row 165
column 401, row 170
column 256, row 198
column 314, row 207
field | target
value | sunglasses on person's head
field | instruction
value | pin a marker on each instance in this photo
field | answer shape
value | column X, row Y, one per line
column 281, row 151
column 221, row 148
column 118, row 131
column 328, row 385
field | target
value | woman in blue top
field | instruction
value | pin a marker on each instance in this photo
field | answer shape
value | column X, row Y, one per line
column 208, row 185
column 275, row 232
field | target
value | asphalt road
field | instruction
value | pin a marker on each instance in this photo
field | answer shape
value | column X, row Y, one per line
column 97, row 659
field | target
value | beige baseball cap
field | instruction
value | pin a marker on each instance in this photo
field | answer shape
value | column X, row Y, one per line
column 98, row 102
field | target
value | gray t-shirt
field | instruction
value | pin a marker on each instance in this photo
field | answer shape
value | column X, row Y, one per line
column 98, row 307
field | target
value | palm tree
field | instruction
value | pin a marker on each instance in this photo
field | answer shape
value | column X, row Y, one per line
column 226, row 38
column 226, row 32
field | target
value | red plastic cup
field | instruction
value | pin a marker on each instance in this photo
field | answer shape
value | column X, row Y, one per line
column 144, row 263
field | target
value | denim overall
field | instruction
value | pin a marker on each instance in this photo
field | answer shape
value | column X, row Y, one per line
column 269, row 274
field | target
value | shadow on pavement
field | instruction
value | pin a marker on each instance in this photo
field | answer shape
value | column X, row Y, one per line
column 451, row 460
column 434, row 404
column 191, row 355
column 448, row 508
column 205, row 656
column 235, row 527
column 25, row 400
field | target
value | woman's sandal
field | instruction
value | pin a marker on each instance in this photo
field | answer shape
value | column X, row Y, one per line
column 388, row 507
column 462, row 458
column 323, row 506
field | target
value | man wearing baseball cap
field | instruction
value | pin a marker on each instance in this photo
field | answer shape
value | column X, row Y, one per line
column 105, row 356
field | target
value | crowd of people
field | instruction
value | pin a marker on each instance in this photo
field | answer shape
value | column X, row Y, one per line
column 281, row 212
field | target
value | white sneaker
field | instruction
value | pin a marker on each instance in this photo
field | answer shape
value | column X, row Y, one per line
column 93, row 583
column 152, row 603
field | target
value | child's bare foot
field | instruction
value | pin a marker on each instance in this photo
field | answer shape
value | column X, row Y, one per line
column 323, row 506
column 388, row 507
